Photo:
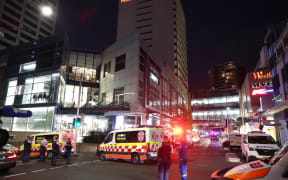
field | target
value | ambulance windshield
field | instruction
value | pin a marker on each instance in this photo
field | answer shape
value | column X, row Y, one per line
column 261, row 140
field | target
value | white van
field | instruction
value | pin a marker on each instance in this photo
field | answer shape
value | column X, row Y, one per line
column 257, row 146
column 137, row 144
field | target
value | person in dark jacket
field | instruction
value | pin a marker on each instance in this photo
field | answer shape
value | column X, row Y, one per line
column 68, row 147
column 164, row 158
column 27, row 149
column 182, row 153
column 55, row 150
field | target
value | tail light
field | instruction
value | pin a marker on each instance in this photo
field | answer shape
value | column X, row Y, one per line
column 12, row 156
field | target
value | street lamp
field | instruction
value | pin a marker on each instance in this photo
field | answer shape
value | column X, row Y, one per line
column 228, row 127
column 46, row 10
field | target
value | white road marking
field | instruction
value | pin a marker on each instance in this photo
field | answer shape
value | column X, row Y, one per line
column 56, row 167
column 86, row 162
column 75, row 164
column 13, row 175
column 39, row 170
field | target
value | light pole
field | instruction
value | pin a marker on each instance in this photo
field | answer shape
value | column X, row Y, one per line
column 78, row 110
column 228, row 126
column 46, row 10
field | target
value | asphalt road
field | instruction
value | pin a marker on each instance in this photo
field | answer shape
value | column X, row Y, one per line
column 203, row 159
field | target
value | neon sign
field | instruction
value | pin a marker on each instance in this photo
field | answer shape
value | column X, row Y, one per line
column 262, row 91
column 260, row 75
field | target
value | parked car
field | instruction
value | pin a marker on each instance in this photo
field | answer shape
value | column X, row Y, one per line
column 7, row 157
column 275, row 167
column 257, row 146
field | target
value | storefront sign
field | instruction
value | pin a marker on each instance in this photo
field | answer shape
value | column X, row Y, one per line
column 13, row 112
column 260, row 75
column 265, row 84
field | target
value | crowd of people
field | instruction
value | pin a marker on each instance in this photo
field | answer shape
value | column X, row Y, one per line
column 43, row 149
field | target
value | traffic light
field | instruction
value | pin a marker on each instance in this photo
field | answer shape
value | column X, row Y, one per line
column 77, row 122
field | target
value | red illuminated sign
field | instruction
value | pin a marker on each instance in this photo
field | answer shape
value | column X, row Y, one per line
column 262, row 91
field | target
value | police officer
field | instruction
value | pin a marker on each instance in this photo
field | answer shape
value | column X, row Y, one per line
column 55, row 150
column 43, row 145
column 68, row 147
column 27, row 149
column 182, row 153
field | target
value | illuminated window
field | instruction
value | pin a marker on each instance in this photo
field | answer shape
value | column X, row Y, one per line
column 125, row 1
column 27, row 67
column 2, row 34
column 154, row 77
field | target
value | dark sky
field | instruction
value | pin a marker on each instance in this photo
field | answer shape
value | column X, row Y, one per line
column 216, row 33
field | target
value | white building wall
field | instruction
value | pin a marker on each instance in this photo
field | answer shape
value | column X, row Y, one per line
column 128, row 77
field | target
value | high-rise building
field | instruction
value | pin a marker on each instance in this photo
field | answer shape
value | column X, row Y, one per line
column 226, row 76
column 22, row 21
column 161, row 25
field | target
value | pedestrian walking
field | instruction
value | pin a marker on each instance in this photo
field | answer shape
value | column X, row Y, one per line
column 182, row 153
column 27, row 149
column 55, row 150
column 164, row 159
column 43, row 147
column 68, row 148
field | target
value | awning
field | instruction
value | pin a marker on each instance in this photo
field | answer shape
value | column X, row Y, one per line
column 279, row 108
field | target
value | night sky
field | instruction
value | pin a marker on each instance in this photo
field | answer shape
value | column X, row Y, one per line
column 216, row 33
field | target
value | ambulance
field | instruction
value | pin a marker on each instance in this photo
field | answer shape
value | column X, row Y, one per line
column 275, row 167
column 136, row 145
column 37, row 138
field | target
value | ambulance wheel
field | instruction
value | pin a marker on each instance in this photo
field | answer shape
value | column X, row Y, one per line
column 102, row 156
column 135, row 158
column 49, row 155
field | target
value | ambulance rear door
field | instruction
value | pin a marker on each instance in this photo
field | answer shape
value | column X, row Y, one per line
column 155, row 138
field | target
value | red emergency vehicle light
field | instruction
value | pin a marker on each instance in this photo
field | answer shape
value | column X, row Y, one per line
column 178, row 131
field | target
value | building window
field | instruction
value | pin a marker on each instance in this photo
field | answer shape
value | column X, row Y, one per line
column 118, row 95
column 107, row 69
column 27, row 67
column 120, row 62
column 11, row 92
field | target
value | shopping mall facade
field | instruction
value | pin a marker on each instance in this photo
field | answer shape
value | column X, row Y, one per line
column 121, row 87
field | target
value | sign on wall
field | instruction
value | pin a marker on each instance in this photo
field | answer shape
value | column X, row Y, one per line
column 264, row 84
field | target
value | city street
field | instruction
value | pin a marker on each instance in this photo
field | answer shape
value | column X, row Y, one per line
column 204, row 159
